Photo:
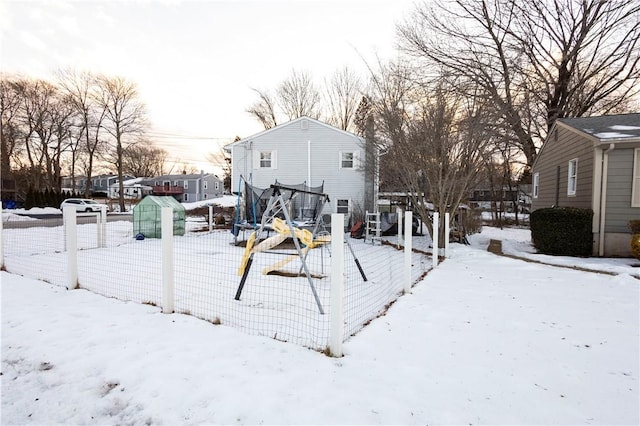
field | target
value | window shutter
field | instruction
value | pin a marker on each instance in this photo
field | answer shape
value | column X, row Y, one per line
column 256, row 159
column 274, row 159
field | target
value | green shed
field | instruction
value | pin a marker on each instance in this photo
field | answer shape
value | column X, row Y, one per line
column 147, row 216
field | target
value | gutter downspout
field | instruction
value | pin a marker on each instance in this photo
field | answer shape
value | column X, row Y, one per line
column 603, row 197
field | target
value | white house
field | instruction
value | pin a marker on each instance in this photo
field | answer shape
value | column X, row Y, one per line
column 133, row 189
column 308, row 151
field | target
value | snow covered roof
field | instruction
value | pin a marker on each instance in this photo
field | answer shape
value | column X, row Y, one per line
column 130, row 182
column 620, row 127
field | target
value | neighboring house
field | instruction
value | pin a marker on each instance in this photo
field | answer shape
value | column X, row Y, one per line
column 593, row 163
column 133, row 189
column 307, row 151
column 483, row 197
column 99, row 184
column 187, row 188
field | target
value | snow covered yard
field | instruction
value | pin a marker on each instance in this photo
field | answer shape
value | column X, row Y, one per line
column 482, row 339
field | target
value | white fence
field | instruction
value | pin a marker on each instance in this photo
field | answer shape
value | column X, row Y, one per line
column 349, row 284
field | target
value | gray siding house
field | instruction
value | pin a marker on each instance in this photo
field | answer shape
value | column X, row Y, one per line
column 593, row 163
column 187, row 188
column 307, row 151
column 99, row 184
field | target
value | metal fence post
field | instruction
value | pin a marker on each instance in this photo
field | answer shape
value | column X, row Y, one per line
column 71, row 245
column 167, row 260
column 408, row 249
column 434, row 237
column 336, row 335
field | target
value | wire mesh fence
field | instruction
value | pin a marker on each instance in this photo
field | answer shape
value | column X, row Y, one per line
column 286, row 292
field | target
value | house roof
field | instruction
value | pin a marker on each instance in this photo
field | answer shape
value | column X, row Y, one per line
column 600, row 130
column 607, row 128
column 288, row 123
column 181, row 176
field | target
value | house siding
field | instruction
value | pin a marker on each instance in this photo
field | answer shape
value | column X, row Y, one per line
column 291, row 142
column 195, row 186
column 619, row 184
column 557, row 153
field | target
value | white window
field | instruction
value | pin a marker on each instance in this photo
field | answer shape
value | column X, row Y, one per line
column 265, row 160
column 175, row 183
column 536, row 184
column 342, row 206
column 186, row 184
column 185, row 197
column 635, row 186
column 217, row 186
column 346, row 160
column 205, row 195
column 206, row 184
column 572, row 177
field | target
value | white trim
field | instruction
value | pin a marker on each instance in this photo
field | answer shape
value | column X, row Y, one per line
column 572, row 176
column 272, row 160
column 536, row 185
column 341, row 159
column 338, row 206
column 635, row 185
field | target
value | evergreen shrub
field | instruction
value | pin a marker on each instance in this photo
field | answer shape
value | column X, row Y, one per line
column 563, row 231
column 635, row 238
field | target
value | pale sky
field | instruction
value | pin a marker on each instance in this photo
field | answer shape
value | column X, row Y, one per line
column 195, row 62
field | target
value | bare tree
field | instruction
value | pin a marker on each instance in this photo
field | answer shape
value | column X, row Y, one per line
column 298, row 96
column 585, row 55
column 264, row 109
column 9, row 124
column 62, row 129
column 435, row 139
column 125, row 119
column 574, row 57
column 343, row 93
column 81, row 90
column 144, row 159
column 445, row 146
column 36, row 114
